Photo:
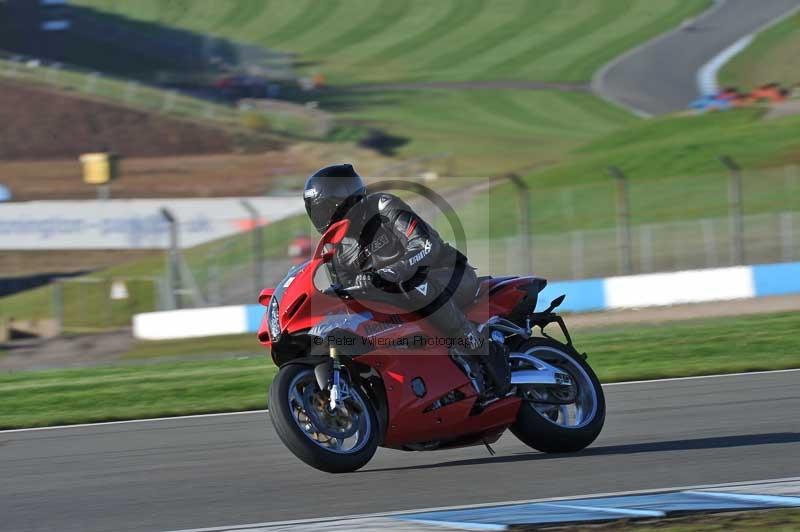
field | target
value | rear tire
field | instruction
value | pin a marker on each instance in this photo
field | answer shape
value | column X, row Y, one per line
column 298, row 442
column 543, row 434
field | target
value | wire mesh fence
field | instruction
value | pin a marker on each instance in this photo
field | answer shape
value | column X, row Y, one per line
column 575, row 232
column 656, row 247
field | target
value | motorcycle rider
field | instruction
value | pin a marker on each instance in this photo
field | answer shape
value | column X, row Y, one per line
column 392, row 253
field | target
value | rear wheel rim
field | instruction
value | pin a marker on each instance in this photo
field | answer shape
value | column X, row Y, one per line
column 308, row 407
column 575, row 415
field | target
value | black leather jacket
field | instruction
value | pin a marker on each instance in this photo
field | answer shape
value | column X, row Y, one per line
column 386, row 233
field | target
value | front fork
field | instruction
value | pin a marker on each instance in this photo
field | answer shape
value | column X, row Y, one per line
column 329, row 376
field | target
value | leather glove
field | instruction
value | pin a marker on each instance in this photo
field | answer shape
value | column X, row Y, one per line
column 363, row 281
column 388, row 275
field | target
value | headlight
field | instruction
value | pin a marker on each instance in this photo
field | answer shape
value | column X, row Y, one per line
column 274, row 320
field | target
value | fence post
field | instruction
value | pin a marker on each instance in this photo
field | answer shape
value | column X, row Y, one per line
column 623, row 220
column 578, row 268
column 172, row 266
column 787, row 237
column 710, row 243
column 646, row 248
column 258, row 249
column 58, row 304
column 736, row 208
column 524, row 206
column 790, row 178
column 107, row 287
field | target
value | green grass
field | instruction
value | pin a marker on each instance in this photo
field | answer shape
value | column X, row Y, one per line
column 774, row 56
column 484, row 131
column 131, row 392
column 243, row 344
column 702, row 347
column 39, row 398
column 365, row 40
column 674, row 173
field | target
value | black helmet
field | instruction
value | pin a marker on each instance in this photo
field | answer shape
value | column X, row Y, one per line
column 330, row 193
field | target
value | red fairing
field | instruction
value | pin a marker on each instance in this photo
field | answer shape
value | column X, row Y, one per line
column 414, row 419
column 444, row 412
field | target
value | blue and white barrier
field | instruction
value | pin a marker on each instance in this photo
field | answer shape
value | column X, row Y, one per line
column 587, row 295
column 197, row 322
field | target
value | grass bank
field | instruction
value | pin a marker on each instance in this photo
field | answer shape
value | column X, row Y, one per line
column 674, row 171
column 679, row 349
column 774, row 56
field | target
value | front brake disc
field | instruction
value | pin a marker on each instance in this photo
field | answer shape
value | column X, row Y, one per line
column 340, row 424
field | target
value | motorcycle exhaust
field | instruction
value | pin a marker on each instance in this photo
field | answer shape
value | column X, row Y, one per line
column 544, row 376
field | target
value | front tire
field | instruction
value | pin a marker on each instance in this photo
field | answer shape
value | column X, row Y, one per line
column 300, row 422
column 561, row 429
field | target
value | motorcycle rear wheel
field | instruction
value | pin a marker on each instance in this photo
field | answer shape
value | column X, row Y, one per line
column 561, row 428
column 297, row 409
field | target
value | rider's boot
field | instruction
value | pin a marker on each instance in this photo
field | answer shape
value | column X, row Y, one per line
column 468, row 353
column 484, row 357
column 498, row 367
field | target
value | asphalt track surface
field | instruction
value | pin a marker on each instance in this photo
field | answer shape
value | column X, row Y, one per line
column 232, row 469
column 661, row 76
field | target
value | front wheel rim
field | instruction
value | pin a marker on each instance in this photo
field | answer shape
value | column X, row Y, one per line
column 574, row 415
column 307, row 405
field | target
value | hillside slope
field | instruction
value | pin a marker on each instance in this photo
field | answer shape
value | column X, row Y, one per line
column 51, row 124
column 774, row 56
column 392, row 40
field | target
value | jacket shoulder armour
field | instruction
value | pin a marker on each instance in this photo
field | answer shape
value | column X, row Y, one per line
column 383, row 202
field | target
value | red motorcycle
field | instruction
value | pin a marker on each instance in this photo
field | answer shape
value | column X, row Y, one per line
column 354, row 377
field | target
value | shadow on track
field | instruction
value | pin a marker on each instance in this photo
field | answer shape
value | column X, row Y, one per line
column 744, row 440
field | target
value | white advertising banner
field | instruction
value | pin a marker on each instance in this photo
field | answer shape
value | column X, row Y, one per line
column 132, row 223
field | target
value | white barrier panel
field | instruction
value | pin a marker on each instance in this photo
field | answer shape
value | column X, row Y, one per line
column 692, row 286
column 190, row 323
column 132, row 223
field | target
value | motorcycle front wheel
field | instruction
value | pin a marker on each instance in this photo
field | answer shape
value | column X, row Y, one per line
column 336, row 441
column 550, row 420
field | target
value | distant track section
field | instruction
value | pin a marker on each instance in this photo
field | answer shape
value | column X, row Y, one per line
column 661, row 76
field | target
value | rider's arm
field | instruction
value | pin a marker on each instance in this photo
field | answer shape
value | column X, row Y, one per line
column 422, row 242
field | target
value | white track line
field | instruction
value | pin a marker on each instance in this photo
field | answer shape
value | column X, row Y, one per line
column 197, row 416
column 707, row 84
column 696, row 377
column 233, row 528
column 145, row 420
column 707, row 75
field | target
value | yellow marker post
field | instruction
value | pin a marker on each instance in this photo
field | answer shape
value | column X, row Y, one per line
column 99, row 169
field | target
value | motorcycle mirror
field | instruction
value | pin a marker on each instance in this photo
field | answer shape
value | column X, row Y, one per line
column 332, row 236
column 265, row 295
column 555, row 303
